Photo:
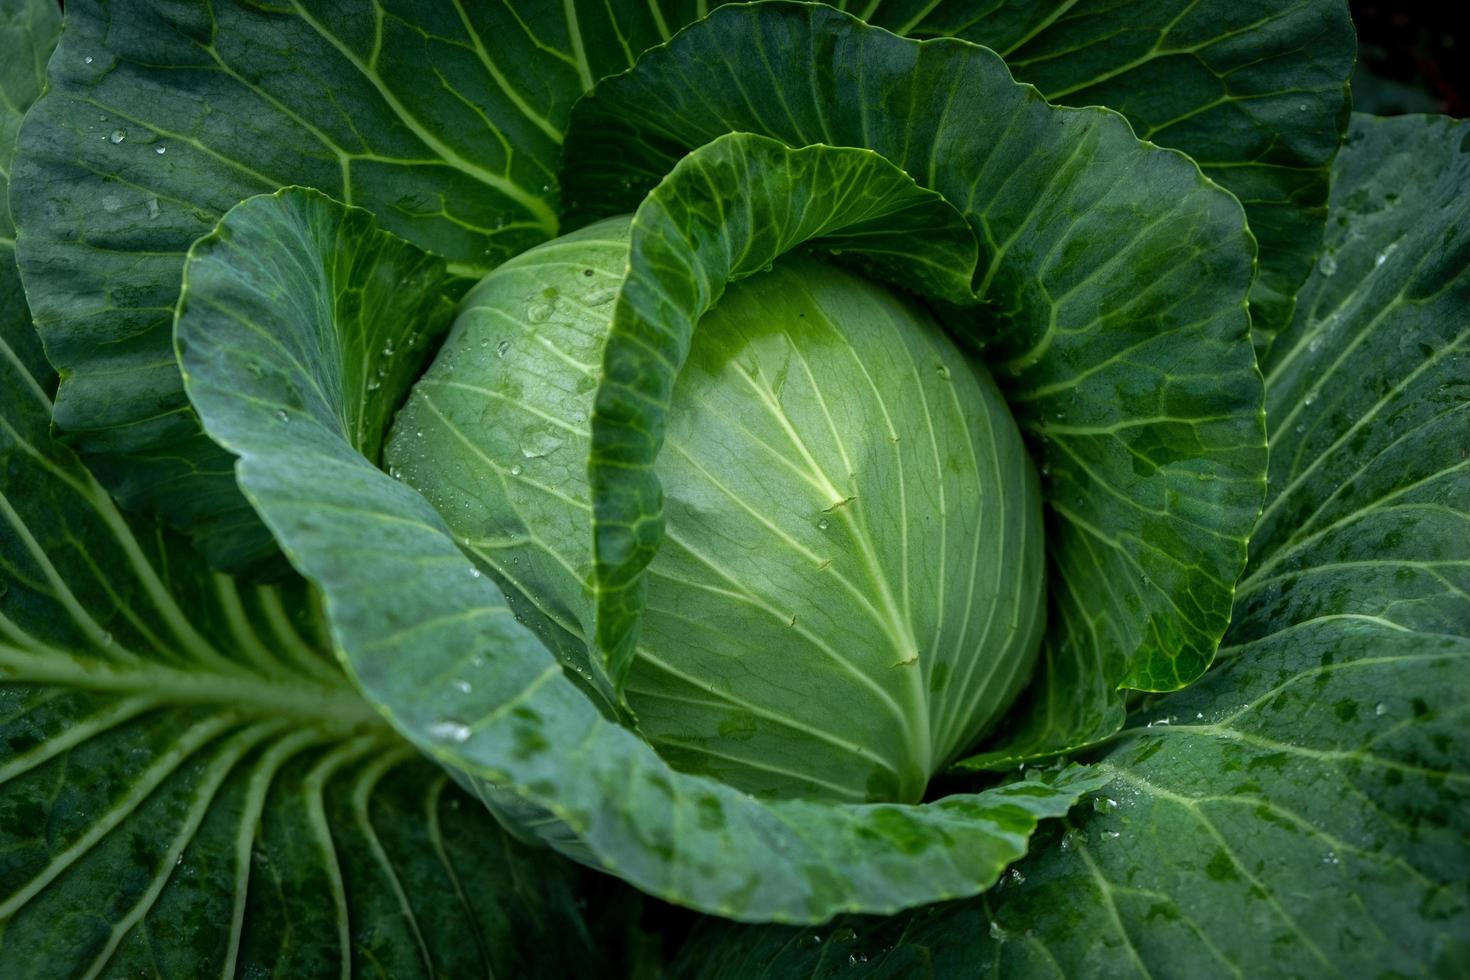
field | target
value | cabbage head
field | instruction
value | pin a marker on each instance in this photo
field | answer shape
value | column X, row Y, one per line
column 850, row 589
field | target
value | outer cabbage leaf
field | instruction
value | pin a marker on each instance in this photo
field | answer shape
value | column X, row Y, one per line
column 1256, row 92
column 1115, row 278
column 189, row 786
column 28, row 32
column 443, row 119
column 1303, row 810
column 434, row 642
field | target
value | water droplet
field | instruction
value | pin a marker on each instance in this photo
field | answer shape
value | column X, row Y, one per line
column 151, row 205
column 997, row 932
column 118, row 135
column 1327, row 264
column 1111, row 834
column 1310, row 397
column 1329, row 858
column 536, row 445
column 388, row 350
column 87, row 60
column 539, row 312
column 449, row 731
column 502, row 348
column 515, row 470
column 1103, row 804
column 601, row 297
column 474, row 572
column 1302, row 107
column 1381, row 710
column 281, row 415
column 823, row 524
column 1378, row 259
column 1016, row 877
column 374, row 385
column 160, row 150
column 463, row 687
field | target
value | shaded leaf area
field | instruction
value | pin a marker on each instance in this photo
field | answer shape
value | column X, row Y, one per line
column 444, row 120
column 1304, row 808
column 445, row 657
column 28, row 32
column 1256, row 92
column 188, row 785
column 1115, row 279
column 1369, row 397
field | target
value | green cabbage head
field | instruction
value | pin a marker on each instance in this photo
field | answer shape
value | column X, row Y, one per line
column 849, row 590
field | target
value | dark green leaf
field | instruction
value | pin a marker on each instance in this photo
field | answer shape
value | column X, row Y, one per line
column 28, row 32
column 1256, row 92
column 190, row 787
column 444, row 120
column 434, row 642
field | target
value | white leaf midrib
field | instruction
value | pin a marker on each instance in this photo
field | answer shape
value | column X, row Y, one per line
column 284, row 696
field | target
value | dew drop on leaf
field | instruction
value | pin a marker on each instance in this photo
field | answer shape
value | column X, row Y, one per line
column 449, row 731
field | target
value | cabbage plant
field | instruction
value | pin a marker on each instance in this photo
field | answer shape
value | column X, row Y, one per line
column 472, row 472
